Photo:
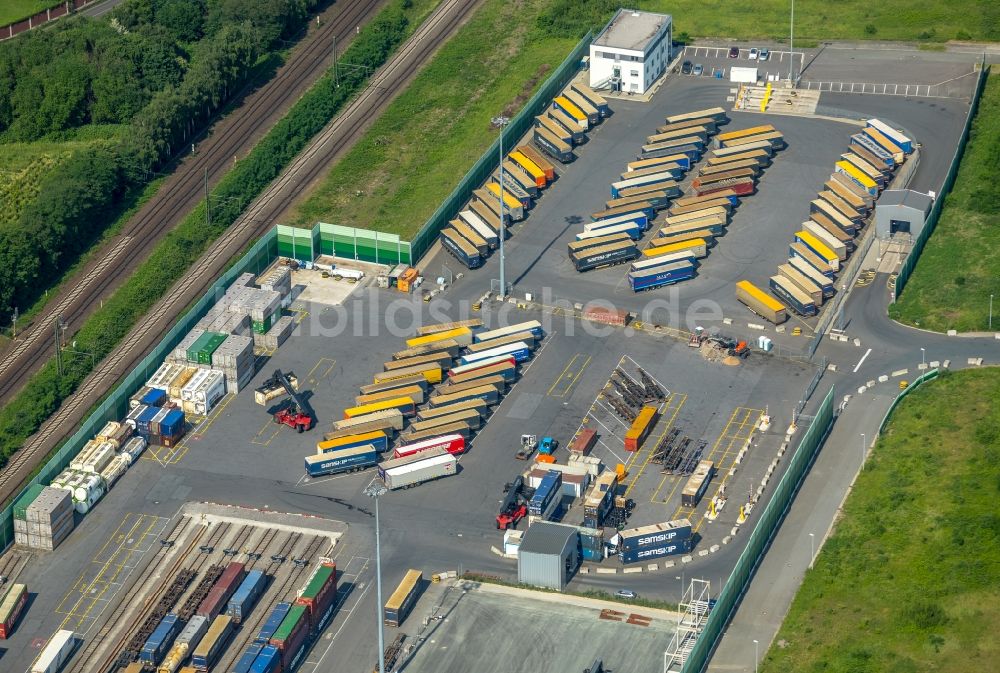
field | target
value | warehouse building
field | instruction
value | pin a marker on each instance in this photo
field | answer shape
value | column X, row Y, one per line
column 902, row 211
column 632, row 51
column 548, row 556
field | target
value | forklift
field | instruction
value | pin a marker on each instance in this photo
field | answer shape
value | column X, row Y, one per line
column 296, row 412
column 514, row 505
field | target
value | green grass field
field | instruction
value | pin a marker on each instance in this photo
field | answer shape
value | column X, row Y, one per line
column 909, row 582
column 15, row 10
column 427, row 139
column 960, row 266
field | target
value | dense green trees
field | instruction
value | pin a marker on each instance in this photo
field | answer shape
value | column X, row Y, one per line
column 160, row 69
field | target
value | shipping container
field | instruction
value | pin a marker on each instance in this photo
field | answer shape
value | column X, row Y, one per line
column 175, row 657
column 319, row 594
column 193, row 632
column 245, row 597
column 291, row 636
column 760, row 302
column 605, row 255
column 654, row 534
column 478, row 406
column 11, row 607
column 803, row 267
column 548, row 495
column 403, row 404
column 643, row 424
column 56, row 652
column 416, row 469
column 268, row 661
column 697, row 484
column 218, row 596
column 460, row 249
column 245, row 662
column 601, row 496
column 211, row 646
column 646, row 554
column 583, row 442
column 160, row 640
column 788, row 293
column 346, row 460
column 274, row 619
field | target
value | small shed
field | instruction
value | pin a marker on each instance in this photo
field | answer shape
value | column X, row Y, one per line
column 548, row 556
column 902, row 211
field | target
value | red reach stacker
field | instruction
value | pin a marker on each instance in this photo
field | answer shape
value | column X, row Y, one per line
column 296, row 413
column 513, row 507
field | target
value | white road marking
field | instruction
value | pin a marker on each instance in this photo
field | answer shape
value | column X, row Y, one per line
column 862, row 360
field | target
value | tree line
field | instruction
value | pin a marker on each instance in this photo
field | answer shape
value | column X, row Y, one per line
column 159, row 68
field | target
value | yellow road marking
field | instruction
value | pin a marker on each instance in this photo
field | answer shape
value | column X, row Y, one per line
column 682, row 398
column 570, row 375
column 330, row 362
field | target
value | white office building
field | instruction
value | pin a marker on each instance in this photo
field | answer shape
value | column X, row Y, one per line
column 631, row 52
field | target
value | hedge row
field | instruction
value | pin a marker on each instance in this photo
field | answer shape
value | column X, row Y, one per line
column 45, row 391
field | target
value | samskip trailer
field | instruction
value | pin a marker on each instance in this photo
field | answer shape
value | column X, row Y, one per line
column 659, row 276
column 605, row 255
column 654, row 534
column 658, row 551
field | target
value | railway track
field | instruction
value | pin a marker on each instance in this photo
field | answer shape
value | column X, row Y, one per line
column 179, row 194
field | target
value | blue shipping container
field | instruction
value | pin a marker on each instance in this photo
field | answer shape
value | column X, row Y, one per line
column 660, row 276
column 267, row 661
column 249, row 656
column 154, row 398
column 173, row 423
column 142, row 423
column 592, row 554
column 653, row 538
column 273, row 622
column 160, row 641
column 246, row 595
column 652, row 553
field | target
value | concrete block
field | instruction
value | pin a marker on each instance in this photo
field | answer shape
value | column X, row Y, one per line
column 702, row 552
column 857, row 342
column 653, row 566
column 727, row 321
column 714, row 548
column 997, row 336
column 871, row 384
column 686, row 559
column 921, row 367
column 727, row 539
column 883, row 378
column 668, row 564
column 831, row 367
column 607, row 571
column 976, row 362
column 584, row 570
column 901, row 372
column 953, row 332
column 861, row 390
column 946, row 364
column 935, row 364
column 630, row 571
column 757, row 326
column 780, row 329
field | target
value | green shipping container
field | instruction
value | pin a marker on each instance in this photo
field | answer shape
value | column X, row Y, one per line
column 22, row 504
column 321, row 577
column 262, row 326
column 197, row 346
column 288, row 624
column 212, row 344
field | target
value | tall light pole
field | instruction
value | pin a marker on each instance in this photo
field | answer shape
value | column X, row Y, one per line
column 791, row 46
column 756, row 655
column 376, row 490
column 500, row 122
column 812, row 549
column 863, row 448
column 923, row 358
column 991, row 313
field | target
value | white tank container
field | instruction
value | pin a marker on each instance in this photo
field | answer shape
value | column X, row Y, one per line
column 187, row 392
column 115, row 469
column 133, row 449
column 88, row 493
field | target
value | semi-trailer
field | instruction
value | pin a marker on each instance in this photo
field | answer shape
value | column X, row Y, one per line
column 685, row 201
column 713, row 223
column 846, row 210
column 514, row 206
column 679, row 159
column 402, row 599
column 460, row 249
column 539, row 160
column 741, row 186
column 898, row 156
column 776, row 139
column 470, row 417
column 660, row 276
column 448, row 345
column 737, row 174
column 761, row 303
column 863, row 203
column 744, row 164
column 470, row 236
column 461, row 335
column 653, row 178
column 847, row 183
column 594, row 98
column 616, row 226
column 377, row 439
column 604, row 236
column 716, row 113
column 709, row 123
column 512, row 187
column 697, row 484
column 685, row 132
column 488, row 394
column 707, row 234
column 857, row 176
column 845, row 236
column 829, row 240
column 646, row 554
column 654, row 534
column 674, row 168
column 896, row 137
column 532, row 326
column 393, row 416
column 801, row 251
column 461, row 370
column 697, row 246
column 440, row 358
column 757, row 145
column 640, row 213
column 453, row 444
column 878, row 161
column 432, row 413
column 552, row 146
column 56, row 652
column 819, row 248
column 672, row 188
column 605, row 255
column 760, row 155
column 584, row 105
column 530, row 168
column 871, row 171
column 481, row 227
column 792, row 296
column 567, row 106
column 11, row 606
column 883, row 155
column 803, row 267
column 496, row 381
column 417, row 469
column 404, row 404
column 697, row 214
column 802, row 282
column 520, row 178
column 693, row 152
column 415, row 393
column 558, row 129
column 662, row 260
column 520, row 351
column 717, row 202
column 526, row 336
column 348, row 460
column 723, row 138
column 487, row 215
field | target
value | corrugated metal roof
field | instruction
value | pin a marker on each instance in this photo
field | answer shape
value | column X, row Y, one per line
column 546, row 538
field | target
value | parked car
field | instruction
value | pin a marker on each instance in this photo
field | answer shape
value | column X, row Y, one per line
column 734, row 52
column 754, row 53
column 698, row 69
column 626, row 593
column 686, row 67
column 764, row 54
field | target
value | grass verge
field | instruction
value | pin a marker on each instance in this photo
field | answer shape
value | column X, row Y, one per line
column 15, row 10
column 909, row 581
column 45, row 391
column 413, row 155
column 957, row 271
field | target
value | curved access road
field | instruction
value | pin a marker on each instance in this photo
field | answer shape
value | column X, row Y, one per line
column 339, row 136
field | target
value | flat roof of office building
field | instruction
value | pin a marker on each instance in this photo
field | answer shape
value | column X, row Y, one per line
column 632, row 29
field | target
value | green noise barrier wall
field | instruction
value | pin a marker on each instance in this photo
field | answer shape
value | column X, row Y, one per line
column 363, row 245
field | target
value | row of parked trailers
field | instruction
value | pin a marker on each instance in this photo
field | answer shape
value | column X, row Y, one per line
column 476, row 230
column 837, row 215
column 426, row 405
column 648, row 185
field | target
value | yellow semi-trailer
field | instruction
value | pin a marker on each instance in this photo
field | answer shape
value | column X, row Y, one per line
column 819, row 248
column 460, row 335
column 415, row 393
column 698, row 246
column 723, row 138
column 761, row 302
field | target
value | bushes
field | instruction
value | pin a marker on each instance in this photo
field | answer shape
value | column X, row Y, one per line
column 43, row 393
